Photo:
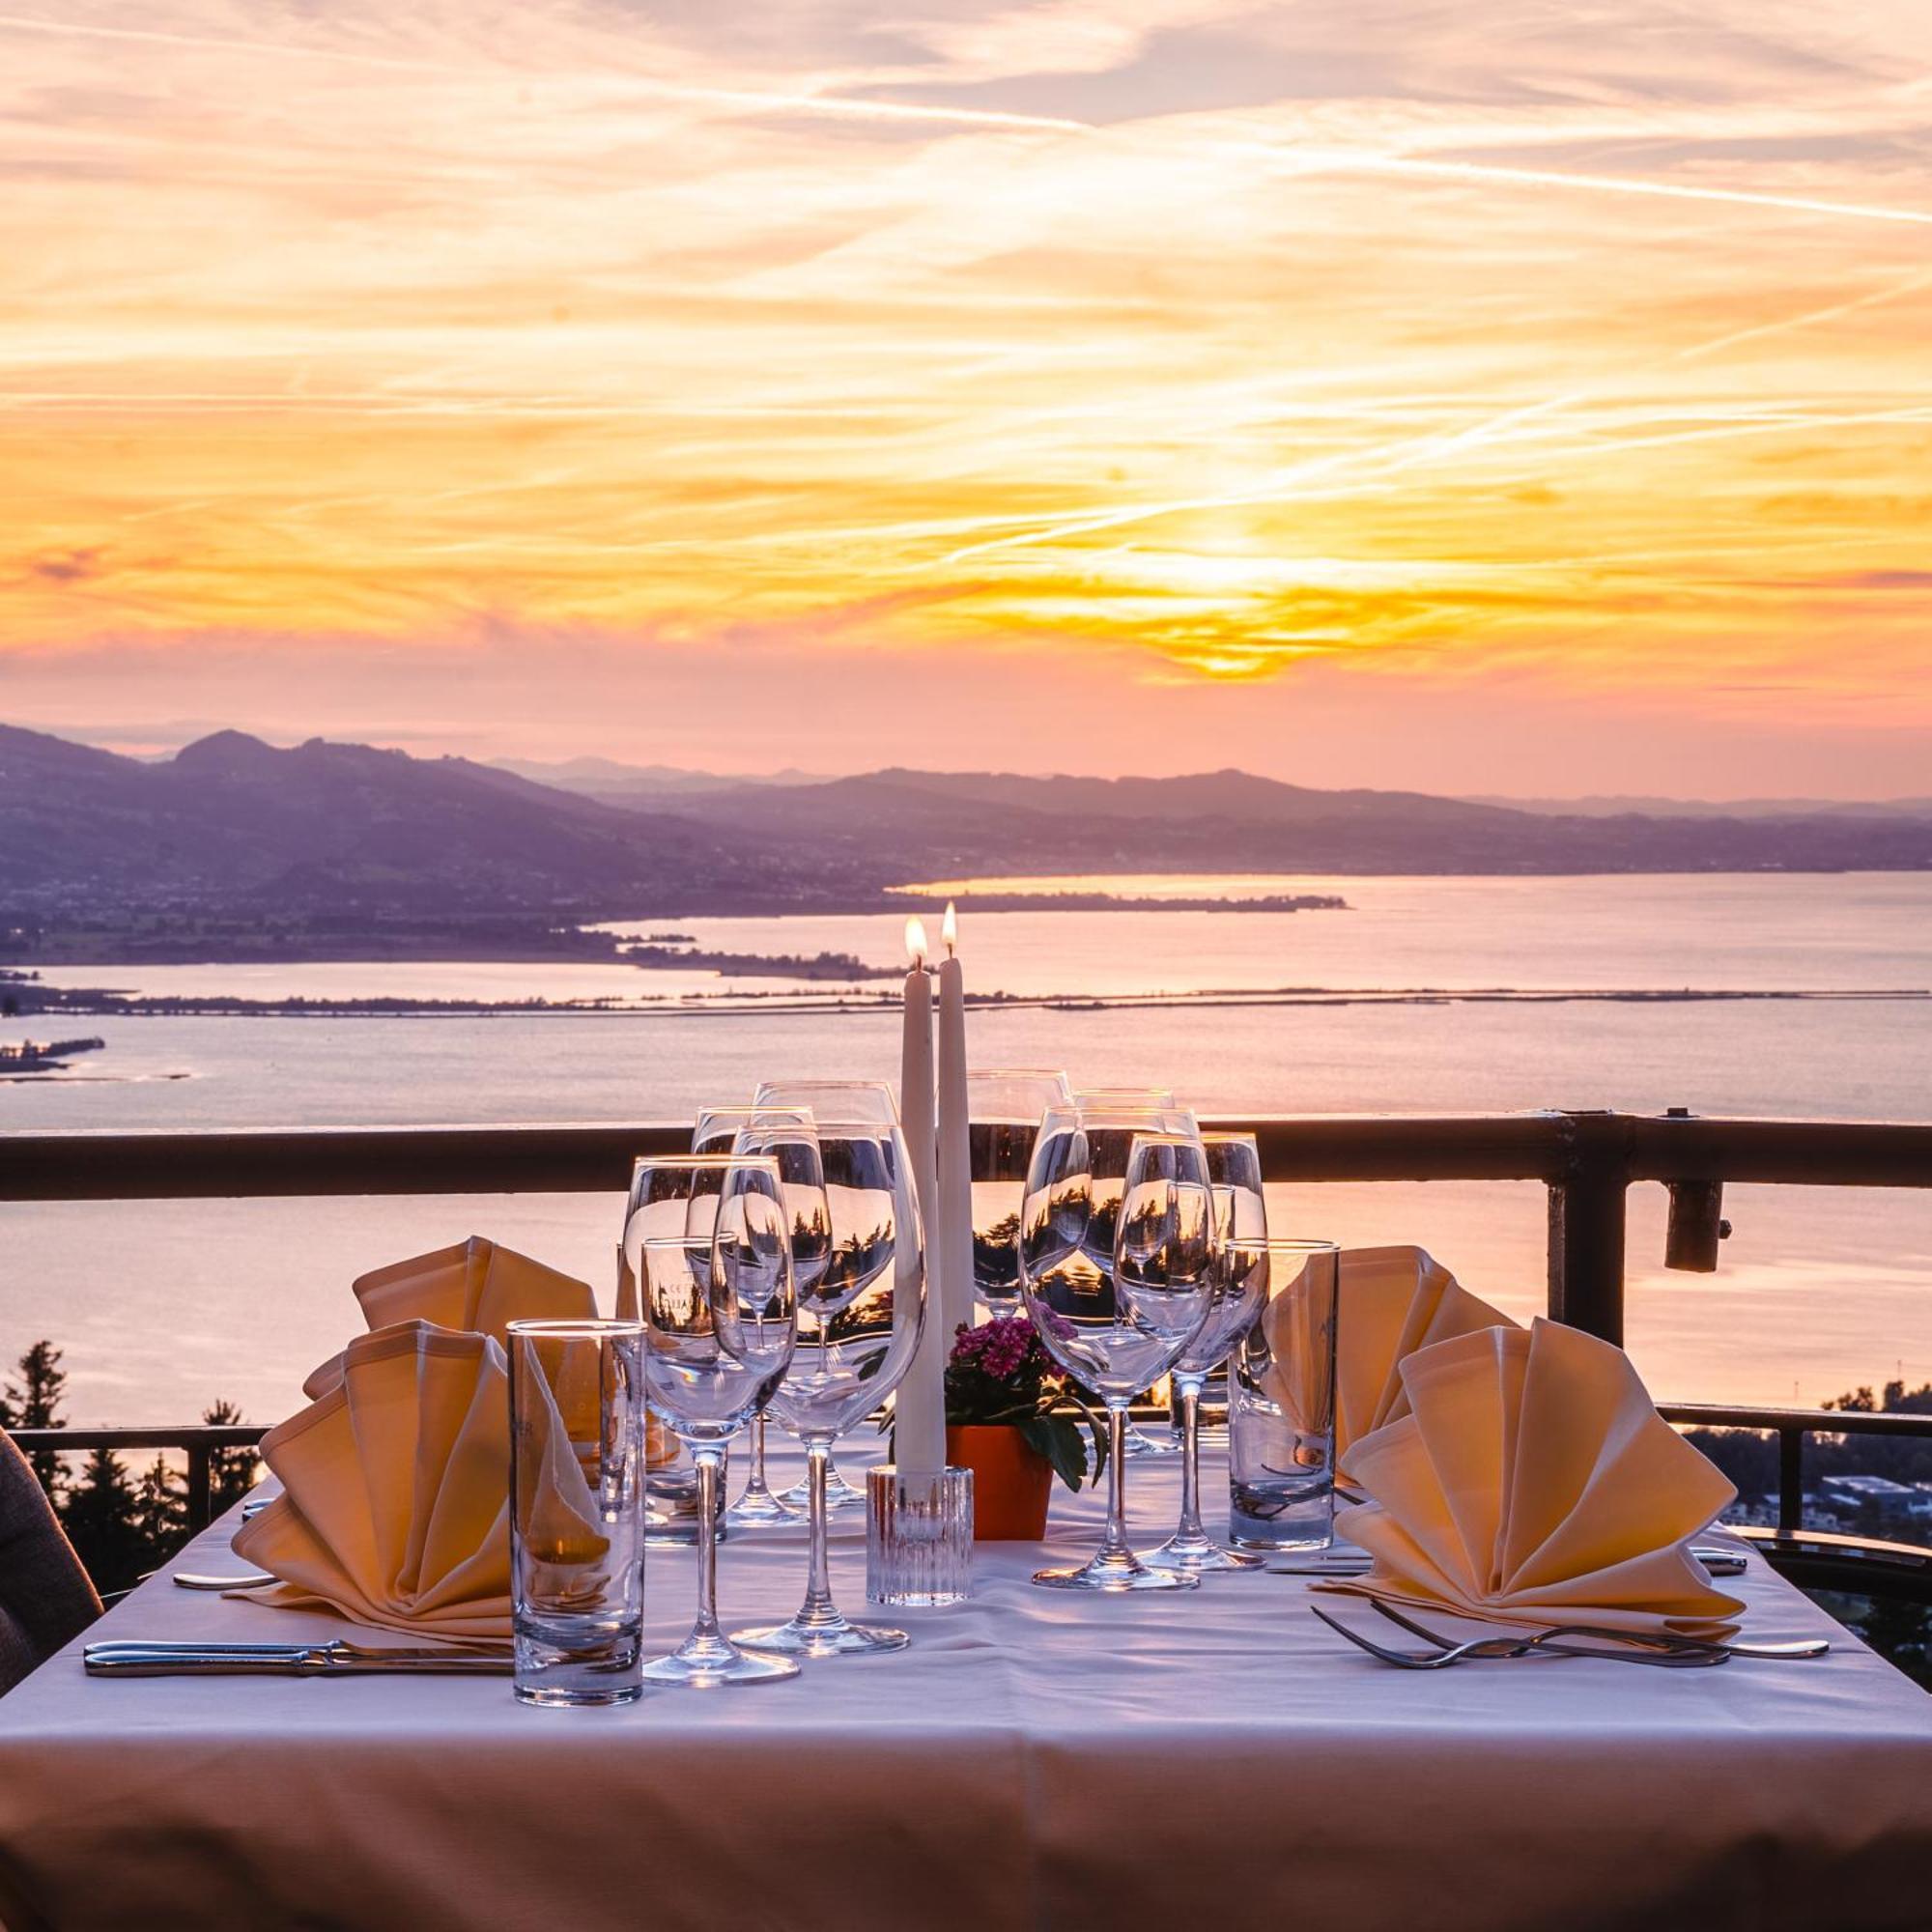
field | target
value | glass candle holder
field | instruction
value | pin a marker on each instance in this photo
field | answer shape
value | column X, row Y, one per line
column 918, row 1537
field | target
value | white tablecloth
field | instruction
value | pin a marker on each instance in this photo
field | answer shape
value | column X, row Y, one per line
column 1208, row 1759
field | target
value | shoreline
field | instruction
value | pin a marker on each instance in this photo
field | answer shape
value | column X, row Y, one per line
column 101, row 1002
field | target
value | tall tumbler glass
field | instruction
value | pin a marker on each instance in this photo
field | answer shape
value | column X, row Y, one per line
column 1117, row 1266
column 577, row 1510
column 1004, row 1109
column 1235, row 1172
column 858, row 1328
column 1281, row 1406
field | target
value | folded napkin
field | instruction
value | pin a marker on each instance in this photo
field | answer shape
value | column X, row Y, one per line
column 1533, row 1482
column 1392, row 1301
column 394, row 1508
column 475, row 1285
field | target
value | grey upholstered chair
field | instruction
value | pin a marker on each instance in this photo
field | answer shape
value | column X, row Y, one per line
column 44, row 1595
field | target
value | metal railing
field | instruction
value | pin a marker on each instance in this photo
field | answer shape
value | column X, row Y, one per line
column 1587, row 1162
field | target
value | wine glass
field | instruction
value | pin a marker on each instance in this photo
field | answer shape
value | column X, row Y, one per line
column 717, row 1127
column 720, row 1328
column 863, row 1101
column 1139, row 1442
column 1002, row 1112
column 859, row 1326
column 1116, row 1267
column 669, row 1195
column 1234, row 1174
column 790, row 1138
column 845, row 1099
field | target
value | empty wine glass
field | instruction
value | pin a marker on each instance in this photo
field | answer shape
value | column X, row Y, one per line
column 791, row 1139
column 858, row 1329
column 1003, row 1110
column 1158, row 1098
column 720, row 1326
column 1234, row 1174
column 1117, row 1247
column 717, row 1127
column 863, row 1101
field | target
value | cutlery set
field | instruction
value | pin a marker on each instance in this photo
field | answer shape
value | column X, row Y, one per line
column 135, row 1658
column 1660, row 1650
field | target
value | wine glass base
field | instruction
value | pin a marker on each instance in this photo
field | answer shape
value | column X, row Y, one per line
column 1140, row 1443
column 839, row 1495
column 731, row 1666
column 759, row 1509
column 1115, row 1577
column 840, row 1640
column 1199, row 1559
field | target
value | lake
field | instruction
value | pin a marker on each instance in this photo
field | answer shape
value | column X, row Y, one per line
column 162, row 1306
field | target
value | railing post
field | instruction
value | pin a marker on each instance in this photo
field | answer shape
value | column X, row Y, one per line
column 1586, row 1227
column 1790, row 1480
column 200, row 1488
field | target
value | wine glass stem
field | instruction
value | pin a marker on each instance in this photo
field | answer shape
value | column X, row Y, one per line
column 1115, row 1542
column 818, row 1606
column 707, row 1459
column 1190, row 1457
column 754, row 1485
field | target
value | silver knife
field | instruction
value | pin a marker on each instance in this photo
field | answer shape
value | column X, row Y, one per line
column 135, row 1658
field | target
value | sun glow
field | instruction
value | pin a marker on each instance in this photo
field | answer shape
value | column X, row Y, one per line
column 398, row 332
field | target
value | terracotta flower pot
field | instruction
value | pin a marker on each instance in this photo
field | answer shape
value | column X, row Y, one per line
column 1012, row 1481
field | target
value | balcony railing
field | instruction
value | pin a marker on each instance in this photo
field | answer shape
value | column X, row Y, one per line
column 1586, row 1161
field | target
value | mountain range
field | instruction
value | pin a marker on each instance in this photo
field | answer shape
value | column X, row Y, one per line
column 232, row 824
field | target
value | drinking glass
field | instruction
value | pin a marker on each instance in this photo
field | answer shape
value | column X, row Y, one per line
column 791, row 1139
column 1002, row 1112
column 1281, row 1406
column 1139, row 1442
column 577, row 1510
column 720, row 1323
column 861, row 1100
column 857, row 1330
column 669, row 1195
column 1234, row 1174
column 1117, row 1264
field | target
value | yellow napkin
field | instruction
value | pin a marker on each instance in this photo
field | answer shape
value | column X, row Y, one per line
column 475, row 1285
column 1533, row 1482
column 394, row 1508
column 1391, row 1302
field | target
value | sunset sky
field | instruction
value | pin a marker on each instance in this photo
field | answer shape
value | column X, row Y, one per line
column 1521, row 398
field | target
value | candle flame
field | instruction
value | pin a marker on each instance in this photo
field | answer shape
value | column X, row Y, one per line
column 916, row 947
column 949, row 931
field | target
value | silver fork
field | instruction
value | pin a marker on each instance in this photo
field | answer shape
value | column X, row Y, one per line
column 1549, row 1643
column 1799, row 1647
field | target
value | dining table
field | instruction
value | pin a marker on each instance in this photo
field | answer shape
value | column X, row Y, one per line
column 1214, row 1759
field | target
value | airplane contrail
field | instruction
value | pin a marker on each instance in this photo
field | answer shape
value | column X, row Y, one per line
column 838, row 104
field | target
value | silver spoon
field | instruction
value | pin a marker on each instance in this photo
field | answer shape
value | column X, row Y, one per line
column 246, row 1579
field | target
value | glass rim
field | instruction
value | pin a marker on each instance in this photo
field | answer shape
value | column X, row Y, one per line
column 706, row 1161
column 1226, row 1136
column 1295, row 1244
column 576, row 1328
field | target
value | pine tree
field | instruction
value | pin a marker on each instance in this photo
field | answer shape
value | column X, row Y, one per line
column 230, row 1472
column 100, row 1512
column 159, row 1518
column 34, row 1402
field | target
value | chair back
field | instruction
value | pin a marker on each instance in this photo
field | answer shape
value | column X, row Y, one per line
column 46, row 1599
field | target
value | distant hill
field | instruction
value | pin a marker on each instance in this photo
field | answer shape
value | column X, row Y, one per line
column 636, row 785
column 1617, row 805
column 235, row 824
column 231, row 821
column 936, row 824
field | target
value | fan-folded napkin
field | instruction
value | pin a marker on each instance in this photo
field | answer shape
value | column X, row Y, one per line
column 1532, row 1481
column 1391, row 1302
column 475, row 1285
column 394, row 1508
